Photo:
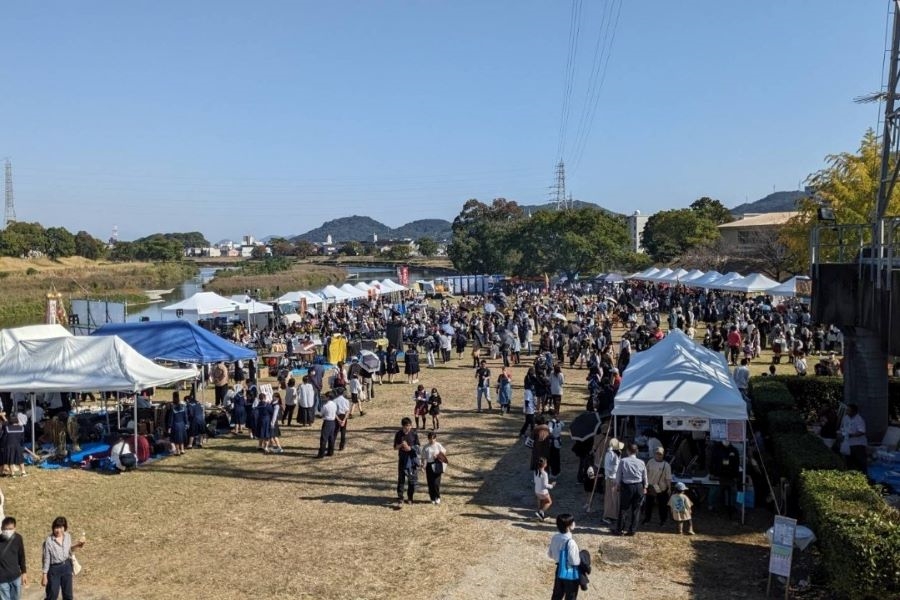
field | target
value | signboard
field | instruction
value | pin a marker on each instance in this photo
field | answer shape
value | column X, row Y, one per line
column 718, row 430
column 685, row 424
column 736, row 431
column 266, row 388
column 782, row 546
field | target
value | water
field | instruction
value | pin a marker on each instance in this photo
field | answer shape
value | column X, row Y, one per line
column 186, row 289
column 367, row 274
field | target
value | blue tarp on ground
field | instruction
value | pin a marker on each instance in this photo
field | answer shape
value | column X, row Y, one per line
column 176, row 341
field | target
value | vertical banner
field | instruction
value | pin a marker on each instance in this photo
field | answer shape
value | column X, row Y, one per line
column 50, row 309
column 782, row 546
column 400, row 274
column 404, row 275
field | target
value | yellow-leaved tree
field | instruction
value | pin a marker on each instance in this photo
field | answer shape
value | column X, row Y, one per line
column 849, row 186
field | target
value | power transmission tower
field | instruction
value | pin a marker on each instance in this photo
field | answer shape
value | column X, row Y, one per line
column 10, row 213
column 559, row 189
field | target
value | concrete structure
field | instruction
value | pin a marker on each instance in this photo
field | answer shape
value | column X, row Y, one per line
column 753, row 230
column 636, row 223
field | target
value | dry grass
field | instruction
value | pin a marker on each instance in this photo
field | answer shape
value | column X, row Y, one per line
column 301, row 276
column 27, row 281
column 226, row 522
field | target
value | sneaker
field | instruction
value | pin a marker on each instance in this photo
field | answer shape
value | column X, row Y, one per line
column 438, row 501
column 690, row 533
column 434, row 502
column 539, row 514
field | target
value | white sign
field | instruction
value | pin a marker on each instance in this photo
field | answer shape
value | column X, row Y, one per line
column 782, row 546
column 685, row 424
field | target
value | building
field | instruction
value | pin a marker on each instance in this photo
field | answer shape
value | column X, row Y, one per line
column 753, row 230
column 636, row 224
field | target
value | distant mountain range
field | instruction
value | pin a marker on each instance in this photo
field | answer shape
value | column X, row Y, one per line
column 357, row 228
column 775, row 202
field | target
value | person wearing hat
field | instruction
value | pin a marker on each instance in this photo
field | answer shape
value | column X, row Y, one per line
column 659, row 476
column 681, row 505
column 610, row 468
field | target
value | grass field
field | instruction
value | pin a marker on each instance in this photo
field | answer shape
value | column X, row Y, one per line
column 226, row 522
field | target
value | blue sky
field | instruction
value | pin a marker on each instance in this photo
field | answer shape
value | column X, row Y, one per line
column 272, row 117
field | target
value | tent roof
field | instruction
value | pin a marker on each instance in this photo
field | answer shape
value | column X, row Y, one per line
column 660, row 275
column 352, row 290
column 679, row 377
column 645, row 273
column 85, row 363
column 755, row 282
column 392, row 286
column 176, row 340
column 10, row 337
column 706, row 279
column 675, row 275
column 362, row 285
column 335, row 293
column 789, row 287
column 205, row 303
column 692, row 275
column 724, row 280
column 295, row 297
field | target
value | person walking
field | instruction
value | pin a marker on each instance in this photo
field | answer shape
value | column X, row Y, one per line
column 434, row 409
column 219, row 376
column 13, row 574
column 344, row 409
column 420, row 405
column 631, row 483
column 411, row 364
column 564, row 551
column 542, row 487
column 435, row 456
column 355, row 387
column 853, row 439
column 557, row 381
column 406, row 443
column 659, row 476
column 556, row 426
column 329, row 423
column 56, row 565
column 504, row 390
column 528, row 410
column 177, row 423
column 610, row 472
column 483, row 385
column 238, row 409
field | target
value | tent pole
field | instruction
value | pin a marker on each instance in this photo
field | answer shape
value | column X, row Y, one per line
column 33, row 439
column 134, row 450
column 744, row 478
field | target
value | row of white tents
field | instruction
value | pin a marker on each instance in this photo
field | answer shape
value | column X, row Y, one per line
column 205, row 305
column 729, row 282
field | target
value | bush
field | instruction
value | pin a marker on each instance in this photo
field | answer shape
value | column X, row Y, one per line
column 813, row 394
column 859, row 534
column 798, row 452
column 785, row 421
column 769, row 395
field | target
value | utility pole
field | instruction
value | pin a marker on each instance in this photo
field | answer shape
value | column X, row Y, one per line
column 9, row 216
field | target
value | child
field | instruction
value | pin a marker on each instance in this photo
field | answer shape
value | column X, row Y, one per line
column 680, row 506
column 434, row 409
column 420, row 410
column 542, row 487
column 355, row 387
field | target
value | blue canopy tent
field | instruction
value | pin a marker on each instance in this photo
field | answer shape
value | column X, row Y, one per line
column 178, row 341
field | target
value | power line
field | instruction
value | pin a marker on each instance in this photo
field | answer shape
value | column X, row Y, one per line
column 569, row 77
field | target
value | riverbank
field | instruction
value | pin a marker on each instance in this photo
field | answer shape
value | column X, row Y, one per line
column 414, row 262
column 26, row 283
column 302, row 275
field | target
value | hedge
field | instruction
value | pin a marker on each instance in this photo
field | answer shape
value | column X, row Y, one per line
column 813, row 394
column 894, row 398
column 785, row 421
column 859, row 534
column 798, row 452
column 769, row 395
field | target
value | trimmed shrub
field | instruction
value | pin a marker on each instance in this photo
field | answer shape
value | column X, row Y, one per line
column 859, row 534
column 769, row 395
column 798, row 452
column 785, row 421
column 813, row 394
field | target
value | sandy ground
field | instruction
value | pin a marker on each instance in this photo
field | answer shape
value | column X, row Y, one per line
column 228, row 522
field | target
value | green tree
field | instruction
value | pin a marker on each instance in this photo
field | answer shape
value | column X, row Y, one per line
column 123, row 252
column 399, row 252
column 849, row 186
column 303, row 248
column 281, row 247
column 20, row 238
column 483, row 237
column 713, row 210
column 158, row 247
column 427, row 246
column 60, row 242
column 88, row 246
column 669, row 233
column 351, row 249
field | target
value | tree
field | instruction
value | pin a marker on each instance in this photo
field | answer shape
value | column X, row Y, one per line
column 88, row 246
column 123, row 251
column 849, row 186
column 259, row 252
column 669, row 233
column 427, row 246
column 158, row 247
column 303, row 248
column 399, row 252
column 21, row 238
column 60, row 242
column 772, row 254
column 281, row 247
column 711, row 209
column 351, row 249
column 483, row 236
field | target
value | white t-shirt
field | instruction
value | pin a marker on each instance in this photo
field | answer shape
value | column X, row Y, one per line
column 307, row 395
column 115, row 453
column 342, row 404
column 329, row 411
column 851, row 425
column 542, row 483
column 430, row 451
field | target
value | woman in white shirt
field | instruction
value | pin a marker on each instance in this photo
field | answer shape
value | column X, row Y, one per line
column 435, row 457
column 610, row 469
column 307, row 402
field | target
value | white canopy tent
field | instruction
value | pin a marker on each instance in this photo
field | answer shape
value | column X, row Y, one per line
column 201, row 305
column 296, row 297
column 798, row 285
column 674, row 277
column 642, row 275
column 84, row 363
column 755, row 282
column 10, row 337
column 354, row 291
column 692, row 275
column 724, row 280
column 363, row 286
column 660, row 276
column 706, row 279
column 334, row 294
column 392, row 286
column 678, row 377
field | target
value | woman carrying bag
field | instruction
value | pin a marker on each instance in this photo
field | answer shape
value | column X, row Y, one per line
column 58, row 567
column 435, row 456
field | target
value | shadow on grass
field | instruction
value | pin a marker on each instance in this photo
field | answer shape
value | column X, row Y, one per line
column 728, row 569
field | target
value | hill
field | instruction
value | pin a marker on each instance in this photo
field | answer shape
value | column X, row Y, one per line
column 775, row 202
column 357, row 228
column 533, row 208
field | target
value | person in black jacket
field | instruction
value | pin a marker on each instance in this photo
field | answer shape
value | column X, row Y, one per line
column 13, row 575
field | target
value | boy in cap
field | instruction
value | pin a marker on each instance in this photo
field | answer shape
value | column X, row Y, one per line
column 681, row 505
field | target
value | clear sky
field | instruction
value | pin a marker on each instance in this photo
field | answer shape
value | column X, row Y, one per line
column 271, row 117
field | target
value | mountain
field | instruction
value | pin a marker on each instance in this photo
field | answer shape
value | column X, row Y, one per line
column 357, row 228
column 533, row 208
column 775, row 202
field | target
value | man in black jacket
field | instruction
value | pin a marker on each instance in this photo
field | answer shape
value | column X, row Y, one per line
column 12, row 561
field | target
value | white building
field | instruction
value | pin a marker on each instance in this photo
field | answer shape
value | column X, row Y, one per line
column 636, row 224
